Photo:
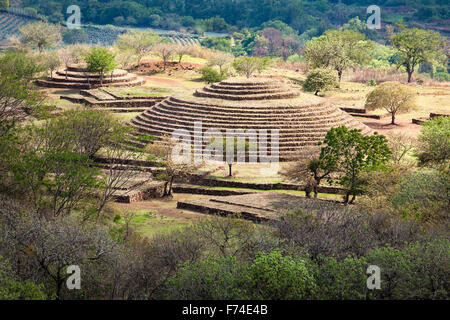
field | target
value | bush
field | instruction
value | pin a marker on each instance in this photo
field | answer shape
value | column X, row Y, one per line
column 211, row 279
column 320, row 80
column 209, row 75
column 442, row 76
column 419, row 271
column 434, row 142
column 275, row 277
column 423, row 195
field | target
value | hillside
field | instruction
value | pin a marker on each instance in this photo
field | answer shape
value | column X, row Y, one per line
column 309, row 18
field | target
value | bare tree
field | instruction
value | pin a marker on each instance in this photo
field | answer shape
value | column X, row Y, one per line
column 220, row 59
column 174, row 167
column 67, row 57
column 165, row 51
column 181, row 51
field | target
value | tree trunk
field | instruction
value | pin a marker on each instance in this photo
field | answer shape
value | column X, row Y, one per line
column 410, row 76
column 353, row 199
column 317, row 91
column 340, row 75
column 230, row 165
column 346, row 197
column 392, row 118
column 170, row 186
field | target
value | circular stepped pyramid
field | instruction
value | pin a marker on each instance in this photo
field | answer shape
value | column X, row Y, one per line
column 79, row 78
column 302, row 119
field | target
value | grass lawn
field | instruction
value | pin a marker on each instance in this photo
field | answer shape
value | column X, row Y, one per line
column 157, row 216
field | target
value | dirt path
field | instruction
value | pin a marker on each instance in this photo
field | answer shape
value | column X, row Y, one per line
column 383, row 126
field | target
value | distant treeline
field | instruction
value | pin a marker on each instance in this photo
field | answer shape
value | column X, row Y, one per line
column 311, row 16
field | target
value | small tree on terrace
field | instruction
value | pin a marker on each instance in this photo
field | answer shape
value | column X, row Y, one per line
column 40, row 34
column 309, row 172
column 49, row 60
column 181, row 51
column 394, row 97
column 249, row 65
column 220, row 59
column 174, row 167
column 67, row 57
column 348, row 153
column 101, row 61
column 165, row 51
column 320, row 80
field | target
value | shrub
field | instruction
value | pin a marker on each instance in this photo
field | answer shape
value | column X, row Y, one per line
column 211, row 279
column 434, row 142
column 209, row 75
column 423, row 195
column 275, row 277
column 442, row 76
column 320, row 80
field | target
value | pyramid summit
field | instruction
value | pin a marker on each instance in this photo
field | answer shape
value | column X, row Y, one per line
column 251, row 105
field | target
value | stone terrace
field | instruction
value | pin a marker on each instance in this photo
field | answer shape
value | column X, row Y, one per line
column 78, row 77
column 302, row 119
column 264, row 206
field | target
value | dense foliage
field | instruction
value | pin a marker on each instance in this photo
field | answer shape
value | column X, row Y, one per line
column 311, row 17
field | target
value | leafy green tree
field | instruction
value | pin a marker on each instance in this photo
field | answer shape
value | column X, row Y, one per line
column 249, row 65
column 348, row 153
column 415, row 46
column 101, row 61
column 338, row 49
column 434, row 142
column 320, row 80
column 40, row 34
column 139, row 42
column 394, row 97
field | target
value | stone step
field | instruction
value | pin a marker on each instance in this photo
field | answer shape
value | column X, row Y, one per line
column 258, row 87
column 280, row 90
column 71, row 85
column 226, row 112
column 295, row 132
column 151, row 117
column 287, row 104
column 285, row 95
column 212, row 118
column 74, row 74
column 127, row 78
column 211, row 207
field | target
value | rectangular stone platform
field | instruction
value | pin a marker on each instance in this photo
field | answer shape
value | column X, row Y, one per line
column 258, row 207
